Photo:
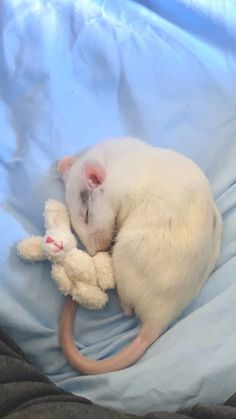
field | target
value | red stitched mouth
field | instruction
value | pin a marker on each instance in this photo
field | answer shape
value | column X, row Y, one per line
column 58, row 246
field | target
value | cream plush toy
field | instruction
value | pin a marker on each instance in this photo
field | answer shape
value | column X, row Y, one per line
column 77, row 274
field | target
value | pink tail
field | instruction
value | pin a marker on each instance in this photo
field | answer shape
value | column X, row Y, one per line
column 123, row 359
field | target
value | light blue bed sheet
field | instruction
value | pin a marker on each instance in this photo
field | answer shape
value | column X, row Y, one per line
column 73, row 73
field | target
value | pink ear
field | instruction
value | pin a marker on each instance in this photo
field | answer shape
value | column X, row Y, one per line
column 64, row 165
column 94, row 173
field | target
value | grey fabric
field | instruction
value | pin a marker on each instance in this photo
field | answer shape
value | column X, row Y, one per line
column 25, row 393
column 212, row 412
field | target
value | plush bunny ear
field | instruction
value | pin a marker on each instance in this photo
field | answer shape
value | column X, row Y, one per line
column 31, row 249
column 64, row 165
column 94, row 173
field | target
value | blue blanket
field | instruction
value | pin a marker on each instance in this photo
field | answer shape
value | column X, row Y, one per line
column 73, row 73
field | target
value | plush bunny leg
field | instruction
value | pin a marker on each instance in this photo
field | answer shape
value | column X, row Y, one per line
column 65, row 285
column 31, row 249
column 89, row 296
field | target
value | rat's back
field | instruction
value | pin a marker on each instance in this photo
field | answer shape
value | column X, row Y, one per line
column 169, row 233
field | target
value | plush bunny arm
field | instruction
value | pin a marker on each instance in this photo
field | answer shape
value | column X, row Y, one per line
column 80, row 267
column 31, row 249
column 56, row 215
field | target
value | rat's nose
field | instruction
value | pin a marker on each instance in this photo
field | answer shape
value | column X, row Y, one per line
column 91, row 252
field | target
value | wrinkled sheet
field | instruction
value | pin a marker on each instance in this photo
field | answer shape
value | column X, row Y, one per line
column 72, row 73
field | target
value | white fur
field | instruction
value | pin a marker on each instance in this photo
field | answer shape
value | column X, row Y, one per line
column 159, row 207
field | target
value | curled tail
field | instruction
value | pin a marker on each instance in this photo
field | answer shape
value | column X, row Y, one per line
column 123, row 359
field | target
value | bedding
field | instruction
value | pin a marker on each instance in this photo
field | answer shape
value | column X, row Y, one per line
column 71, row 74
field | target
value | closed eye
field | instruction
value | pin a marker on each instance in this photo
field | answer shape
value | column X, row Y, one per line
column 86, row 217
column 84, row 196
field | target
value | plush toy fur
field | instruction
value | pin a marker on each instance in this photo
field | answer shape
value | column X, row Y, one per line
column 77, row 274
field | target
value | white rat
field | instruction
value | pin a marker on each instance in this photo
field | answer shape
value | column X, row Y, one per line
column 157, row 209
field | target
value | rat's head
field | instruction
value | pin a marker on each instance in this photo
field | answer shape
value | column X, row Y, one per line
column 90, row 207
